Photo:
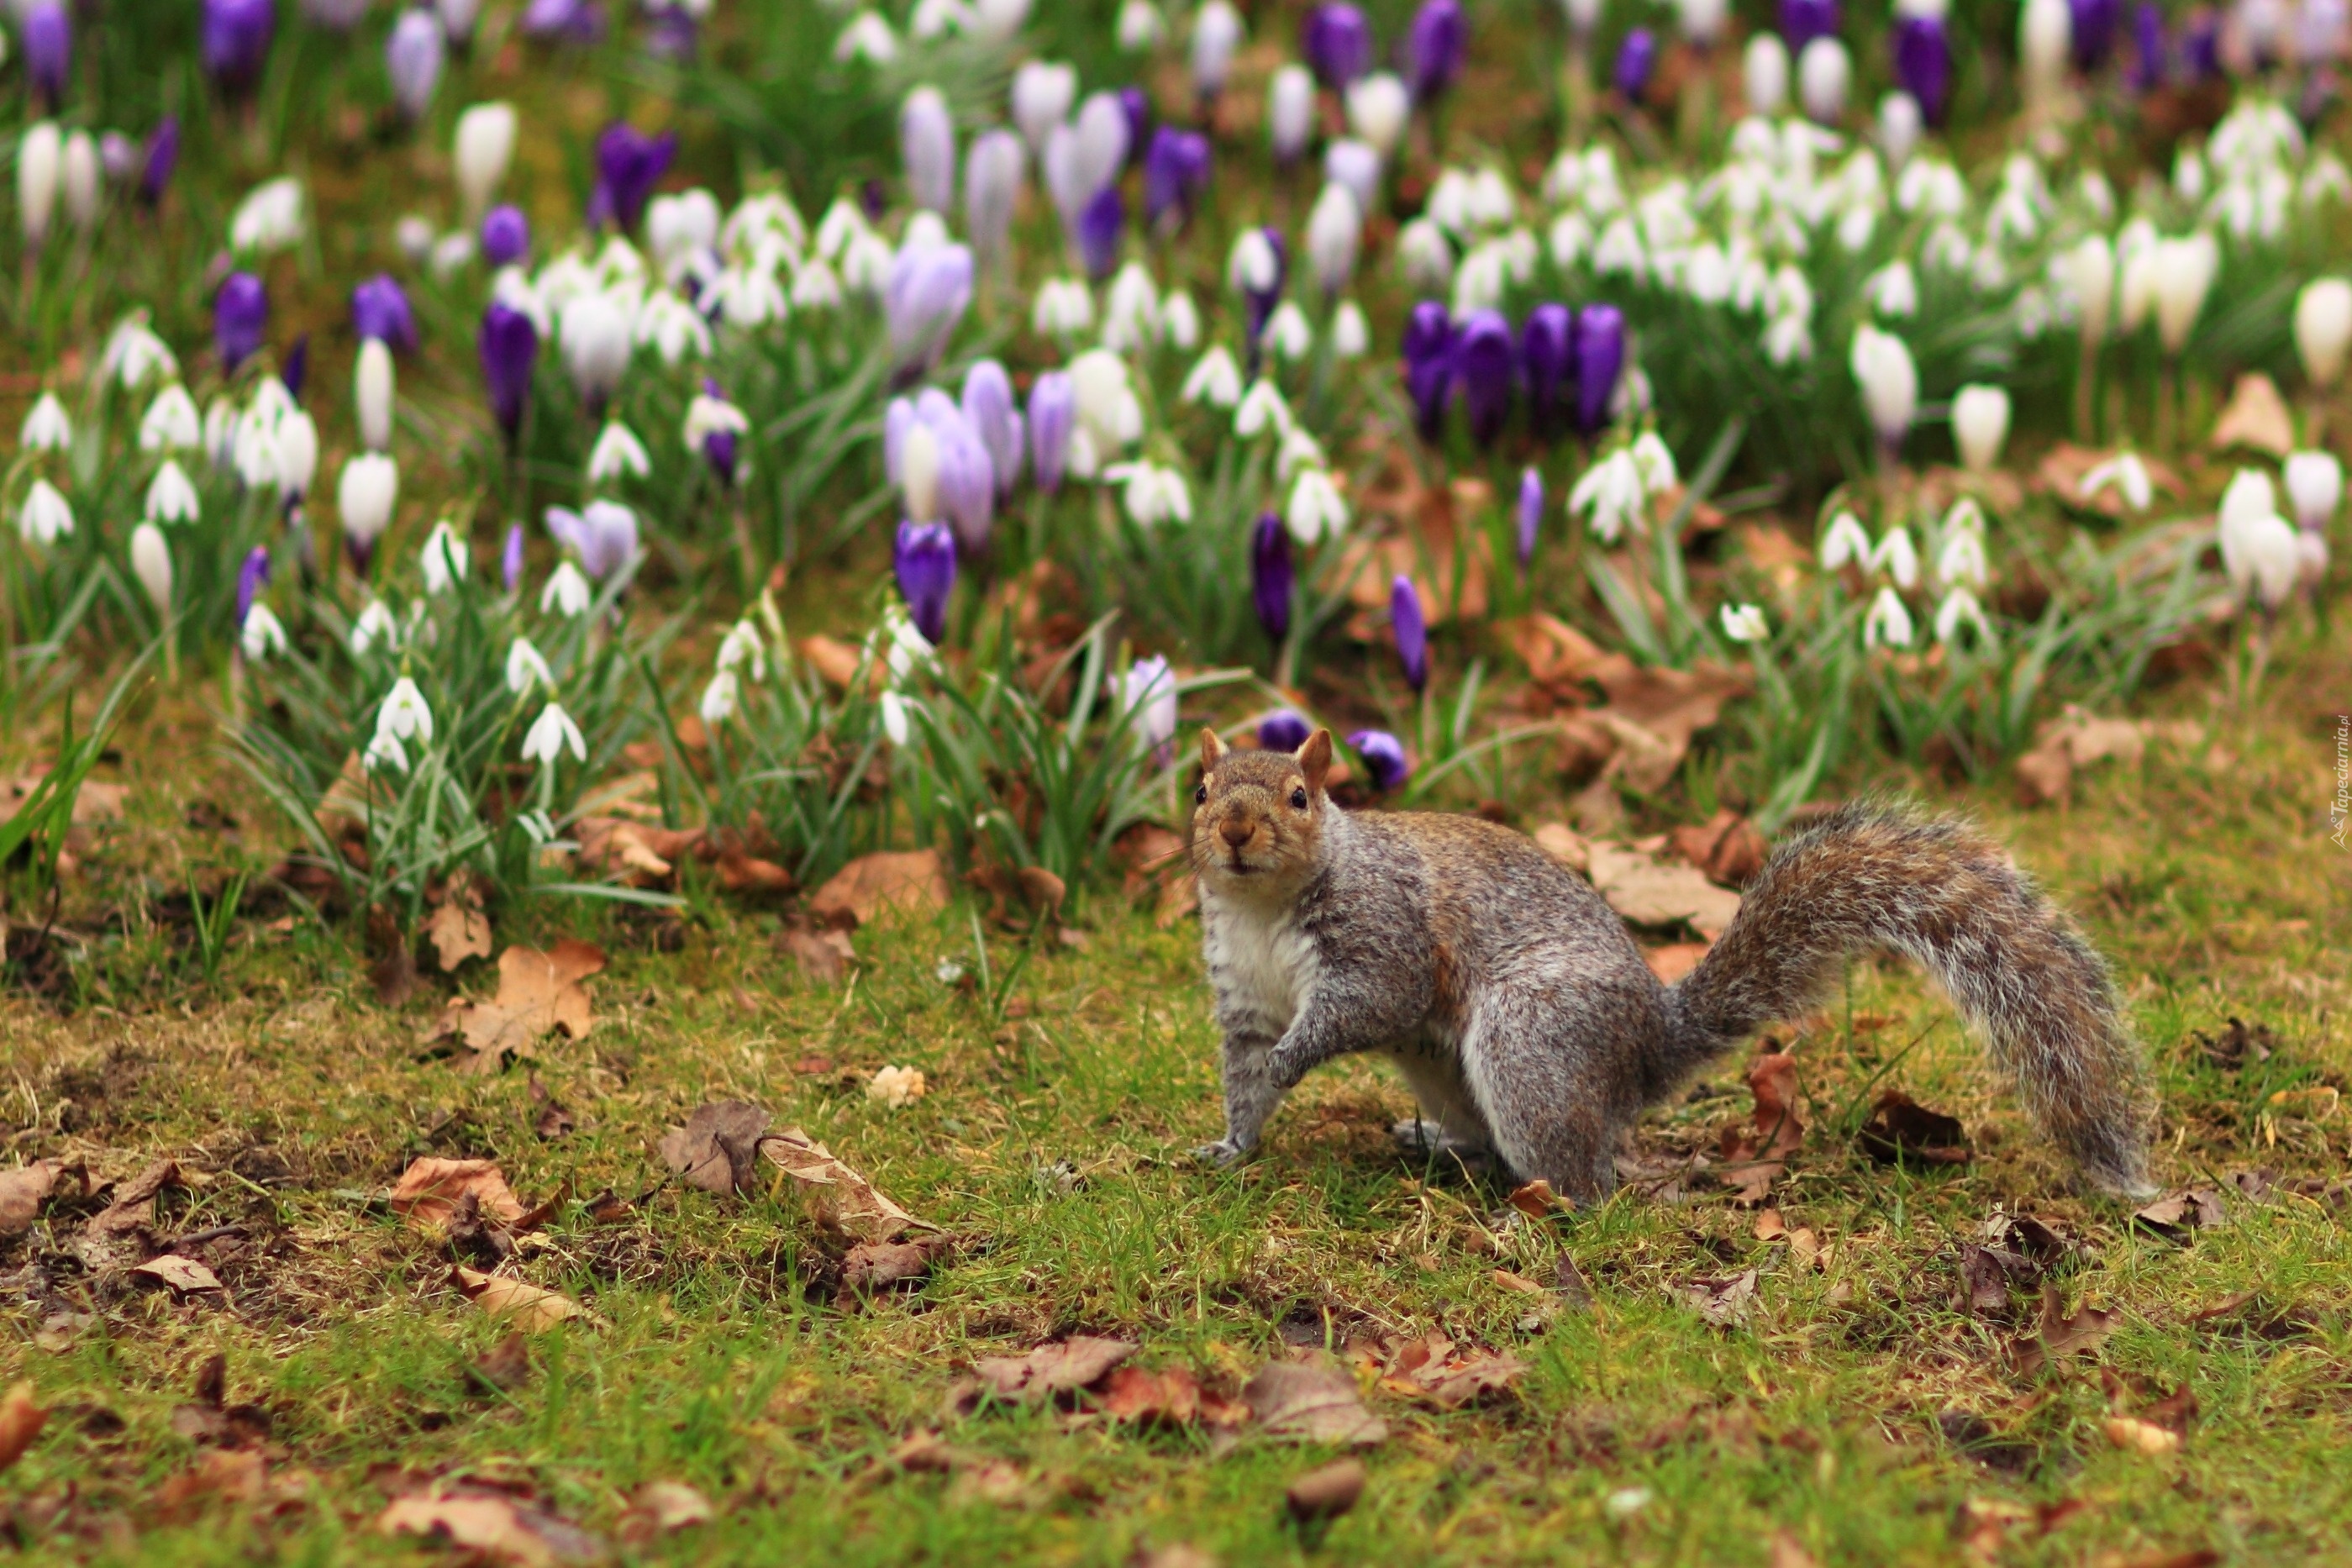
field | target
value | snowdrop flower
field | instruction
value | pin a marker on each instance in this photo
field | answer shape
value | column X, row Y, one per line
column 1897, row 557
column 1179, row 322
column 1962, row 558
column 1262, row 409
column 1131, row 311
column 269, row 219
column 815, row 288
column 1140, row 25
column 868, row 38
column 1654, row 461
column 1888, row 624
column 1109, row 415
column 596, row 337
column 1610, row 495
column 376, row 624
column 1288, row 333
column 740, row 648
column 47, row 428
column 404, row 714
column 2322, row 328
column 722, row 696
column 170, row 424
column 171, row 498
column 1351, row 336
column 1959, row 609
column 551, row 735
column 2128, row 475
column 1298, row 450
column 1845, row 544
column 385, row 751
column 1893, row 291
column 1426, row 257
column 671, row 327
column 1316, row 509
column 617, row 453
column 133, row 352
column 568, row 593
column 1979, row 426
column 45, row 517
column 262, row 634
column 1883, row 367
column 1153, row 494
column 526, row 668
column 447, row 560
column 1745, row 622
column 1214, row 379
column 1065, row 307
column 2315, row 486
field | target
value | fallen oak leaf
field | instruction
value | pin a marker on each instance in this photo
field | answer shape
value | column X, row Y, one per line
column 429, row 1191
column 1313, row 1400
column 1753, row 1163
column 879, row 1265
column 134, row 1205
column 537, row 991
column 531, row 1306
column 836, row 1197
column 2060, row 1333
column 912, row 881
column 495, row 1523
column 457, row 932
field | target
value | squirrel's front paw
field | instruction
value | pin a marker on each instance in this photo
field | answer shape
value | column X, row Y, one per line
column 1223, row 1152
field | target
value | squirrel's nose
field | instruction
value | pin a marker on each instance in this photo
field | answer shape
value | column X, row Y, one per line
column 1235, row 830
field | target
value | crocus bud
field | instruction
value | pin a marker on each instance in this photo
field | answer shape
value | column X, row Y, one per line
column 716, row 429
column 1216, row 33
column 40, row 156
column 1097, row 149
column 48, row 49
column 925, row 559
column 379, row 311
column 925, row 294
column 1336, row 42
column 506, row 236
column 594, row 335
column 1272, row 577
column 1764, row 74
column 1637, row 60
column 1136, row 106
column 298, row 457
column 1334, row 230
column 2322, row 328
column 484, row 146
column 509, row 346
column 2315, row 486
column 1412, row 631
column 511, row 559
column 1600, row 363
column 1378, row 107
column 989, row 409
column 366, row 494
column 1435, row 47
column 1923, row 63
column 79, row 180
column 296, row 371
column 1042, row 93
column 1357, row 165
column 2149, row 66
column 235, row 41
column 1803, row 21
column 1979, row 426
column 1899, row 125
column 2091, row 29
column 1175, row 177
column 2184, row 274
column 151, row 563
column 2201, row 45
column 240, row 316
column 1530, row 517
column 2259, row 549
column 1824, row 73
column 1290, row 112
column 1546, row 364
column 1257, row 267
column 1383, row 757
column 629, row 164
column 1052, row 414
column 161, row 157
column 927, row 145
column 1428, row 365
column 1484, row 362
column 1889, row 381
column 412, row 58
column 992, row 185
column 919, row 473
column 252, row 577
column 2045, row 31
column 603, row 532
column 967, row 483
column 1281, row 731
column 2089, row 270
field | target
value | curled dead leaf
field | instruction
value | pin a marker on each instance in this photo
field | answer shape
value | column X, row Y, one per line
column 2176, row 1216
column 1722, row 1302
column 531, row 1307
column 494, row 1524
column 718, row 1148
column 1314, row 1401
column 836, row 1197
column 1903, row 1132
column 430, row 1190
column 24, row 1191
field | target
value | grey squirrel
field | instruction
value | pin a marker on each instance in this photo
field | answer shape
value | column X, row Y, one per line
column 1521, row 1014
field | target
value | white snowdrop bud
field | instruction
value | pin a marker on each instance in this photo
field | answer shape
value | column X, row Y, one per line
column 151, row 563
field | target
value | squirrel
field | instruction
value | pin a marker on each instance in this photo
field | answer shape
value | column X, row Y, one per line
column 1524, row 1017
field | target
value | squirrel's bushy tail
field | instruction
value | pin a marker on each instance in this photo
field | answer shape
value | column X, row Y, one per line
column 1874, row 878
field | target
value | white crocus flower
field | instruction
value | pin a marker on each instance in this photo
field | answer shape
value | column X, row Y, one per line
column 567, row 594
column 1317, row 511
column 617, row 453
column 1888, row 624
column 1262, row 409
column 2128, row 475
column 740, row 648
column 376, row 624
column 1351, row 336
column 45, row 517
column 526, row 668
column 404, row 714
column 171, row 498
column 1215, row 380
column 1845, row 543
column 551, row 735
column 47, row 428
column 447, row 561
column 1745, row 622
column 720, row 696
column 261, row 635
column 1979, row 426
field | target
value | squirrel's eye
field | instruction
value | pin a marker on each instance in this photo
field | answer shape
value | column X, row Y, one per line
column 1201, row 796
column 1299, row 800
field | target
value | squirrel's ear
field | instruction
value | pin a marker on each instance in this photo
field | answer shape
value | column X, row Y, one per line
column 1315, row 759
column 1212, row 751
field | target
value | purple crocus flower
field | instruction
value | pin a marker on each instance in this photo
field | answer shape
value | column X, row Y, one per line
column 967, row 482
column 1136, row 107
column 2149, row 66
column 1531, row 515
column 573, row 21
column 252, row 577
column 629, row 164
column 297, row 368
column 412, row 56
column 1433, row 47
column 510, row 558
column 926, row 294
column 669, row 33
column 506, row 236
column 1547, row 363
column 995, row 418
column 720, row 446
column 236, row 41
column 1600, row 361
column 1637, row 58
column 509, row 346
column 2201, row 45
column 163, row 156
column 1100, row 224
column 1272, row 579
column 1053, row 413
column 1384, row 758
column 380, row 310
column 1428, row 365
column 1338, row 44
column 240, row 316
column 1483, row 359
column 1282, row 732
column 1803, row 21
column 1412, row 631
column 925, row 558
column 2094, row 30
column 603, row 533
column 1922, row 64
column 48, row 50
column 1175, row 176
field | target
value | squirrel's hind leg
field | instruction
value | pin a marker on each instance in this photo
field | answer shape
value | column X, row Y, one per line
column 1544, row 1093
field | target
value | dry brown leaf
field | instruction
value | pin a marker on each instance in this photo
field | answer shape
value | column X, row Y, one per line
column 537, row 991
column 744, row 873
column 2134, row 1436
column 95, row 802
column 1565, row 845
column 1537, row 1200
column 824, row 957
column 1451, row 1381
column 494, row 1524
column 2255, row 416
column 1754, row 1161
column 24, row 1190
column 1788, row 1552
column 1325, row 1492
column 182, row 1274
column 1171, row 1397
column 1557, row 655
column 2315, row 1102
column 1648, row 891
column 1727, row 848
column 429, row 1191
column 1062, row 1366
column 836, row 1197
column 718, row 1149
column 133, row 1206
column 912, row 881
column 1313, row 1400
column 457, row 932
column 2175, row 1214
column 878, row 1265
column 1672, row 704
column 21, row 1419
column 504, row 1367
column 220, row 1476
column 1723, row 1302
column 834, row 660
column 2063, row 1333
column 531, row 1306
column 664, row 1507
column 1902, row 1130
column 1671, row 960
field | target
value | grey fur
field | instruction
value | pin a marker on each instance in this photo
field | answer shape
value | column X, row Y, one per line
column 1522, row 1015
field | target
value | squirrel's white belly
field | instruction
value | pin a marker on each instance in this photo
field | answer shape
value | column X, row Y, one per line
column 1263, row 962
